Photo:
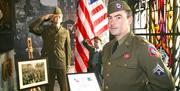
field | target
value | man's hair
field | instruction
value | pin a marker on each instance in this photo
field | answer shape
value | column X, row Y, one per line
column 64, row 24
column 129, row 13
column 97, row 38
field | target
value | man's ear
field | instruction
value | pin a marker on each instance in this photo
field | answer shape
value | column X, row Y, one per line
column 130, row 19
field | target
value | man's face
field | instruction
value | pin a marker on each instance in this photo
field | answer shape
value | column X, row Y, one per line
column 119, row 23
column 57, row 19
column 70, row 27
column 97, row 43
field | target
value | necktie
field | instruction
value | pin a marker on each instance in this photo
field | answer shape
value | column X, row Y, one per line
column 114, row 47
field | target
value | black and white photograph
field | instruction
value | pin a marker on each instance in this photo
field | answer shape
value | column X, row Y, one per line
column 32, row 73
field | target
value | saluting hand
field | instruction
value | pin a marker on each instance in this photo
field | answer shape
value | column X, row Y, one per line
column 47, row 17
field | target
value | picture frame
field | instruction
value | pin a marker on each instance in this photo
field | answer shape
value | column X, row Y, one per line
column 83, row 82
column 32, row 73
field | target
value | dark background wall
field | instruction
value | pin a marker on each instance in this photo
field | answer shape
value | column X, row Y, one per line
column 6, row 25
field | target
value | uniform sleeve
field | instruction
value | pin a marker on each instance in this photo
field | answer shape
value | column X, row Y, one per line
column 68, row 48
column 159, row 77
column 87, row 45
column 35, row 27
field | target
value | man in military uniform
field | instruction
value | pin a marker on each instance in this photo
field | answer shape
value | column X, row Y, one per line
column 94, row 63
column 56, row 46
column 130, row 63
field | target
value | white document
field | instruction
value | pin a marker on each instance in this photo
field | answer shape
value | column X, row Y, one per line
column 83, row 82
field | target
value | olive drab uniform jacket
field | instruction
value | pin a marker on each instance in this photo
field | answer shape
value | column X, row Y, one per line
column 56, row 43
column 135, row 65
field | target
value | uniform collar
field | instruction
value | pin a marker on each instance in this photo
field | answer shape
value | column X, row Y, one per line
column 58, row 28
column 128, row 38
column 125, row 46
column 123, row 39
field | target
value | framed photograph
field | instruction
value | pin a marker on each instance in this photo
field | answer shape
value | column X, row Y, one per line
column 83, row 82
column 32, row 73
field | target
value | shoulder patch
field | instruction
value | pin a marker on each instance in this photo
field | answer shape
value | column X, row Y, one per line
column 152, row 50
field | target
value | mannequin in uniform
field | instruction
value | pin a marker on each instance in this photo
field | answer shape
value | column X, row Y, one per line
column 56, row 46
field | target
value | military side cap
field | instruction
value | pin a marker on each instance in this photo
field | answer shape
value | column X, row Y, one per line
column 57, row 11
column 117, row 5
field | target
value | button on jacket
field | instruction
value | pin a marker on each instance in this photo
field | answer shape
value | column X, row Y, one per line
column 57, row 51
column 134, row 66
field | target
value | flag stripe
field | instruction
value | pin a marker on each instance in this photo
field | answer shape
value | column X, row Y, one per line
column 77, row 66
column 97, row 9
column 82, row 21
column 101, row 25
column 80, row 50
column 106, row 27
column 91, row 22
column 100, row 19
column 85, row 11
column 81, row 62
column 82, row 29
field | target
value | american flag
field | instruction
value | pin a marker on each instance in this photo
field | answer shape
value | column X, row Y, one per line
column 91, row 21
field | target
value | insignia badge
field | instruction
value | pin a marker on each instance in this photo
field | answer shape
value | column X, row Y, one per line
column 127, row 55
column 118, row 6
column 152, row 50
column 158, row 70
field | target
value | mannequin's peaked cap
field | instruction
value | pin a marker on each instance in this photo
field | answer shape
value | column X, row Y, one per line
column 57, row 10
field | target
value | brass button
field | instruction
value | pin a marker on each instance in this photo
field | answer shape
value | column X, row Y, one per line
column 106, row 87
column 109, row 63
column 107, row 75
column 55, row 41
column 125, row 65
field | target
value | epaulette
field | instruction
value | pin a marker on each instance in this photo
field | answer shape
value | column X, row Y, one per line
column 142, row 40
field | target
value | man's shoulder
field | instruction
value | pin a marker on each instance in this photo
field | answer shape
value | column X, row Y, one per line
column 143, row 43
column 63, row 28
column 140, row 40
